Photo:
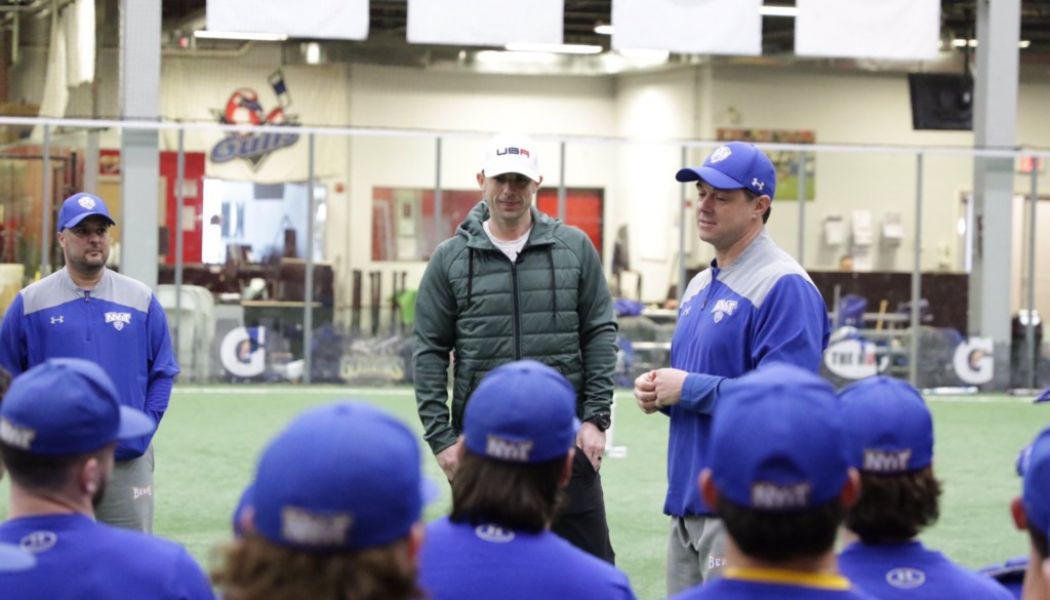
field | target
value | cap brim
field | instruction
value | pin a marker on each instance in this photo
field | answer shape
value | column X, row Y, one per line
column 711, row 176
column 134, row 423
column 13, row 558
column 495, row 172
column 77, row 219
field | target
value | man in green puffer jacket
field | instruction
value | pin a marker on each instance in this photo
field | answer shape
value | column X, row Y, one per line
column 515, row 284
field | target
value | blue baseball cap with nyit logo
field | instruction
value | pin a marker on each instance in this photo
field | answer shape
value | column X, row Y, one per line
column 733, row 166
column 67, row 406
column 522, row 412
column 80, row 206
column 344, row 476
column 778, row 442
column 889, row 426
column 1034, row 467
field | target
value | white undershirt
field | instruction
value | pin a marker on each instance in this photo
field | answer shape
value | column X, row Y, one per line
column 512, row 248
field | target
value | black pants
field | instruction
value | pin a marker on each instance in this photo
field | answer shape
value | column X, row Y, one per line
column 583, row 522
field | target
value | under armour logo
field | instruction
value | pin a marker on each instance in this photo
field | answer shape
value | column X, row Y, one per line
column 761, row 185
column 58, row 319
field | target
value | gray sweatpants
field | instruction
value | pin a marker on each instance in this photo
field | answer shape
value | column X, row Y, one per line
column 695, row 552
column 128, row 501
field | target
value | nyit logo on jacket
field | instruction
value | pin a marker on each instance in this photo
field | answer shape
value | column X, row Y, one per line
column 723, row 308
column 119, row 319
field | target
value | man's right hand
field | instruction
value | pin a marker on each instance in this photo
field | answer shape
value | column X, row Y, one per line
column 645, row 392
column 448, row 459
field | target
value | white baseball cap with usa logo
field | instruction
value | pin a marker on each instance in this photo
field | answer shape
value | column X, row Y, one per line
column 511, row 153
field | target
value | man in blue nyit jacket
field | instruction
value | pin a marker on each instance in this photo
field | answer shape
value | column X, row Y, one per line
column 754, row 305
column 87, row 311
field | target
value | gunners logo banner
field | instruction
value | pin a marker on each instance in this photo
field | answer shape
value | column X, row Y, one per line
column 245, row 108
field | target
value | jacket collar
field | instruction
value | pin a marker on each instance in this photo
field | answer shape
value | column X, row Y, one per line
column 471, row 228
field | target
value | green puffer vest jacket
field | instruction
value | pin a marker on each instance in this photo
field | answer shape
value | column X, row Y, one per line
column 551, row 305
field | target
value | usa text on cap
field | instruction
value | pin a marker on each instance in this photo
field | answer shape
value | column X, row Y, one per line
column 511, row 154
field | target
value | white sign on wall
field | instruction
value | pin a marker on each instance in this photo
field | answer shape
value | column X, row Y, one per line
column 886, row 29
column 709, row 27
column 485, row 22
column 342, row 20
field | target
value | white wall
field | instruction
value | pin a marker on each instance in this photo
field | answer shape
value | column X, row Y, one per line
column 655, row 111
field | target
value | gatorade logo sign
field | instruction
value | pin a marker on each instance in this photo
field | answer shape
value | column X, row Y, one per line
column 243, row 352
column 974, row 361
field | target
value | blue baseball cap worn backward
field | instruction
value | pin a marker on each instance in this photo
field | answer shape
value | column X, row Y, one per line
column 80, row 206
column 1034, row 465
column 778, row 443
column 733, row 166
column 67, row 406
column 889, row 426
column 522, row 412
column 344, row 476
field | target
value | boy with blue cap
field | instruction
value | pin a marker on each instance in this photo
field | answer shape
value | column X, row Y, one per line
column 1032, row 512
column 85, row 310
column 333, row 512
column 59, row 425
column 891, row 435
column 754, row 305
column 516, row 459
column 779, row 477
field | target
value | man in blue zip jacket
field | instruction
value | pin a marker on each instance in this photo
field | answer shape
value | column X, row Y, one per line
column 84, row 310
column 754, row 305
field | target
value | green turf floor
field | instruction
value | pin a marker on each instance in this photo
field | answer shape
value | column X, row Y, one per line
column 211, row 436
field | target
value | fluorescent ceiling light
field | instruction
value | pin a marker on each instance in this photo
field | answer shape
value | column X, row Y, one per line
column 778, row 11
column 239, row 35
column 558, row 48
column 603, row 29
column 1024, row 43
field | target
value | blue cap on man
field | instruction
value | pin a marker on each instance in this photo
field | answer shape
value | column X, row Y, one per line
column 733, row 166
column 67, row 406
column 345, row 476
column 80, row 206
column 778, row 441
column 522, row 412
column 889, row 426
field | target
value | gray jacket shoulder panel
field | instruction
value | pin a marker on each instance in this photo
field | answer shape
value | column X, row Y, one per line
column 58, row 288
column 761, row 266
column 123, row 290
column 54, row 290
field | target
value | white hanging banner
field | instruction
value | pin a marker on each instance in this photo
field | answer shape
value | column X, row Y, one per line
column 886, row 29
column 485, row 22
column 342, row 20
column 688, row 26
